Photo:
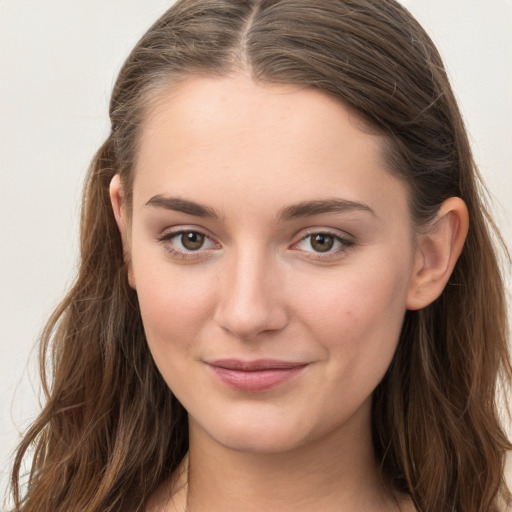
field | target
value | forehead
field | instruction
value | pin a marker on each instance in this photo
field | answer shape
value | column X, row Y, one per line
column 212, row 110
column 223, row 137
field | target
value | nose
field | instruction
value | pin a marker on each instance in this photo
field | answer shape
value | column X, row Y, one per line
column 251, row 301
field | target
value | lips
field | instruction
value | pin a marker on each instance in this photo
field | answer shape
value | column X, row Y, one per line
column 255, row 376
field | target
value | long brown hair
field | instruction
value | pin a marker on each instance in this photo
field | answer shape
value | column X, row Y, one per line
column 111, row 430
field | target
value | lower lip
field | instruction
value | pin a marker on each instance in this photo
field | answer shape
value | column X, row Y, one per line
column 257, row 380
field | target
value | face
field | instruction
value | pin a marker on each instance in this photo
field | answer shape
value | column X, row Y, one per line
column 272, row 256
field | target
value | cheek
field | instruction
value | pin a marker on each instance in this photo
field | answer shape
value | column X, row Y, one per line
column 357, row 316
column 175, row 303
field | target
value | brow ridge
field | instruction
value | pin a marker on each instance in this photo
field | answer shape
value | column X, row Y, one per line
column 182, row 205
column 320, row 206
column 294, row 211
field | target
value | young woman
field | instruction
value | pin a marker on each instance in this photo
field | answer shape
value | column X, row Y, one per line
column 288, row 296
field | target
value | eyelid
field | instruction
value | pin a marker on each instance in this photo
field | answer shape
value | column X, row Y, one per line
column 166, row 240
column 303, row 233
column 346, row 241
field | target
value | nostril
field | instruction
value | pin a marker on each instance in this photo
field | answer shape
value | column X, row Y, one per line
column 246, row 319
column 250, row 301
column 249, row 325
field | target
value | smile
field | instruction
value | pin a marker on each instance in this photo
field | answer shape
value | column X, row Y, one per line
column 255, row 376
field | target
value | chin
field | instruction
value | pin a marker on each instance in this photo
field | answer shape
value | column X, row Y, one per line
column 262, row 437
column 263, row 443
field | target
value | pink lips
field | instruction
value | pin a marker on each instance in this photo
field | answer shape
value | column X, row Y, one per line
column 255, row 376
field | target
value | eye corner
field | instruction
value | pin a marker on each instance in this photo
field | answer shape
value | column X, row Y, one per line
column 329, row 244
column 199, row 245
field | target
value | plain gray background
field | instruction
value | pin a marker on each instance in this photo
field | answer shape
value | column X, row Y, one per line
column 58, row 62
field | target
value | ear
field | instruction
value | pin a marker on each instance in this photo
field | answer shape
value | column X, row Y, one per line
column 437, row 252
column 119, row 209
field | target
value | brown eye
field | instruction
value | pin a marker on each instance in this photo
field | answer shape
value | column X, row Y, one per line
column 192, row 240
column 322, row 242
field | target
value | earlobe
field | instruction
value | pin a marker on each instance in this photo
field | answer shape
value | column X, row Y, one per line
column 437, row 252
column 118, row 207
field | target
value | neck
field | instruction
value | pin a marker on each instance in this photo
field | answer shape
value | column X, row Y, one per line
column 337, row 472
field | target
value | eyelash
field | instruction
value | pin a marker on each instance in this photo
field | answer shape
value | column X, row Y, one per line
column 344, row 243
column 166, row 239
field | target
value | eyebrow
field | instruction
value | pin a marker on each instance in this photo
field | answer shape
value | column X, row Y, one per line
column 294, row 211
column 310, row 208
column 182, row 205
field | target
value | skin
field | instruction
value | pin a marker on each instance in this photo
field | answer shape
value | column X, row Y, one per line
column 258, row 288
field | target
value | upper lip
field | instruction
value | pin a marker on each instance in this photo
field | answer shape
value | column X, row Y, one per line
column 255, row 365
